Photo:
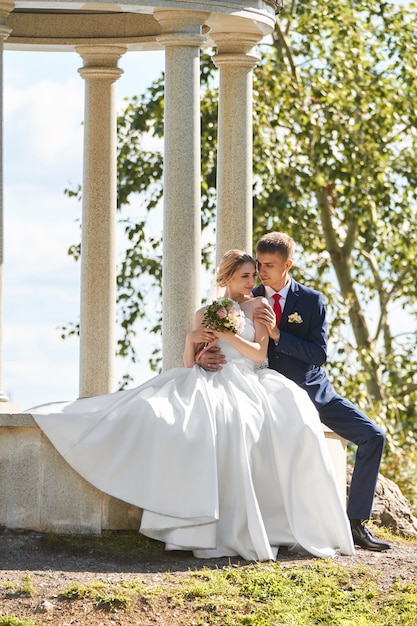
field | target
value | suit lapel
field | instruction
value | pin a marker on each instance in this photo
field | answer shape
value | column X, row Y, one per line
column 290, row 301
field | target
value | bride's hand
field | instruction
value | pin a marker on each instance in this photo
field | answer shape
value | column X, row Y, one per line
column 223, row 334
column 202, row 335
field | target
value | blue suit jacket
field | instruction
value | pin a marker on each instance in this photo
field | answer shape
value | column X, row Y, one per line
column 302, row 347
column 299, row 355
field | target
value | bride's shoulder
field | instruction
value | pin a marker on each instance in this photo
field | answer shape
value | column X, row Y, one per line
column 256, row 301
column 199, row 314
column 251, row 304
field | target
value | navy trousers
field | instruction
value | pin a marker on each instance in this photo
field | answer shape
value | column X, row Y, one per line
column 345, row 419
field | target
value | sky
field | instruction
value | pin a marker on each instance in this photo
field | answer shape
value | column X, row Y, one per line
column 43, row 152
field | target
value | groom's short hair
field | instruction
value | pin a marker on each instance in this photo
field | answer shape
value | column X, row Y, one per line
column 276, row 243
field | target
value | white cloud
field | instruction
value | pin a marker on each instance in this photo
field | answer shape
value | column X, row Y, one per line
column 38, row 366
column 37, row 247
column 46, row 121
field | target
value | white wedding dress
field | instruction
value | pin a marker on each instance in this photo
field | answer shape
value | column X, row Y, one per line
column 226, row 463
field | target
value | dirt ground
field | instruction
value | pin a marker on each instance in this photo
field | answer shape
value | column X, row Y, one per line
column 27, row 558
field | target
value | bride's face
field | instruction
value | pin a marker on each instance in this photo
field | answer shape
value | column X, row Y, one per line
column 243, row 280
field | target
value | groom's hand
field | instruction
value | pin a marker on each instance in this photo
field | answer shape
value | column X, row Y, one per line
column 264, row 314
column 211, row 360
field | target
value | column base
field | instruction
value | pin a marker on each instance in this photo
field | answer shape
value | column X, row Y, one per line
column 9, row 408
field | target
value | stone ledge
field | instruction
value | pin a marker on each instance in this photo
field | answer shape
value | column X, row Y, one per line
column 40, row 491
column 17, row 420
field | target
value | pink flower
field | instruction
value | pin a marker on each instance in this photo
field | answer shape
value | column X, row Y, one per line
column 223, row 315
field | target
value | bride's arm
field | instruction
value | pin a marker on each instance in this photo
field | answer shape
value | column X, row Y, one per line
column 198, row 334
column 261, row 331
column 254, row 350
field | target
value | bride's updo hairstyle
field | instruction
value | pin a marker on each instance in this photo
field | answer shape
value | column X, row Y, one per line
column 230, row 263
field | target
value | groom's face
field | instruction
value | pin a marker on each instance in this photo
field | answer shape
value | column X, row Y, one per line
column 273, row 270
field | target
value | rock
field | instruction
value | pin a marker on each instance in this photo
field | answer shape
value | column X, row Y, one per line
column 391, row 509
column 45, row 606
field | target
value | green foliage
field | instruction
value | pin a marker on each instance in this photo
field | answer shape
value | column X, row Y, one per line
column 13, row 620
column 26, row 586
column 106, row 596
column 399, row 607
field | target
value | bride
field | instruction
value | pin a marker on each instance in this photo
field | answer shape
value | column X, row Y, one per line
column 222, row 463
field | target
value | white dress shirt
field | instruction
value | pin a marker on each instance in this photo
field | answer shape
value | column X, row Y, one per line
column 269, row 293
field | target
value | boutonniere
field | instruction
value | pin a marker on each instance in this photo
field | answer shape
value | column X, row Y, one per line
column 295, row 318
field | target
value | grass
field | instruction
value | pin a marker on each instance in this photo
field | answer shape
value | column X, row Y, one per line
column 108, row 597
column 311, row 592
column 273, row 594
column 12, row 620
column 111, row 544
column 26, row 587
column 316, row 593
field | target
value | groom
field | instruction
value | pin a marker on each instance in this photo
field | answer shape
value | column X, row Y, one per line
column 298, row 349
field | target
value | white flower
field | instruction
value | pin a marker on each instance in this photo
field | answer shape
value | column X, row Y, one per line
column 295, row 318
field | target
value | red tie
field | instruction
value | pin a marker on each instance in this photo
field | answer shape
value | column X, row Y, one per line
column 277, row 307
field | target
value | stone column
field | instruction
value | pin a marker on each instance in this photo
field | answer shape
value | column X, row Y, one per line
column 5, row 9
column 181, row 39
column 235, row 59
column 98, row 239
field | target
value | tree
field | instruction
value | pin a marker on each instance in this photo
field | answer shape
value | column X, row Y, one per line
column 345, row 139
column 335, row 156
column 335, row 163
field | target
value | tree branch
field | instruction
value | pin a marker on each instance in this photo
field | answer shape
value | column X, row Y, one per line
column 288, row 52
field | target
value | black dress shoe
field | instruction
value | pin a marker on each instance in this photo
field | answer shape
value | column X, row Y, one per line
column 363, row 538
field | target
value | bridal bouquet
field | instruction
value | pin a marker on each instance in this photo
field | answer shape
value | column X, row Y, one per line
column 224, row 315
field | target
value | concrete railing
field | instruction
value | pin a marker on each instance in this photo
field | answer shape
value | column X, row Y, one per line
column 40, row 491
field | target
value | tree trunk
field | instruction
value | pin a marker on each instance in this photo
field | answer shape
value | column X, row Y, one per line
column 341, row 261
